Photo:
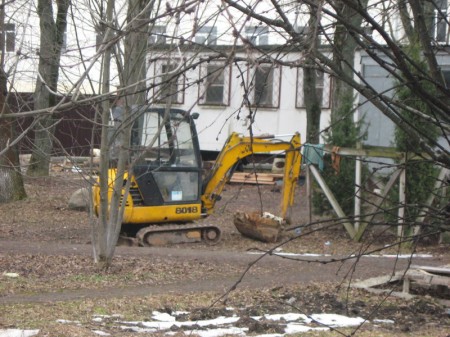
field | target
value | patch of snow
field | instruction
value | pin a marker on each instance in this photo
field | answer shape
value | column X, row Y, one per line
column 288, row 254
column 216, row 332
column 401, row 256
column 178, row 313
column 97, row 319
column 335, row 320
column 17, row 333
column 137, row 329
column 101, row 333
column 162, row 316
column 11, row 275
column 163, row 325
column 296, row 328
column 384, row 321
column 65, row 321
column 289, row 317
column 220, row 326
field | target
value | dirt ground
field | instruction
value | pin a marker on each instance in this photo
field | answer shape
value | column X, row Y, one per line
column 48, row 245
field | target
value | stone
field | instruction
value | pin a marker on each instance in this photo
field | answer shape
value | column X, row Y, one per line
column 80, row 199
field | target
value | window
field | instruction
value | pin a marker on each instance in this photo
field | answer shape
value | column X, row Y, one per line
column 440, row 22
column 214, row 89
column 64, row 43
column 157, row 35
column 265, row 86
column 322, row 89
column 258, row 36
column 446, row 75
column 8, row 37
column 206, row 35
column 169, row 85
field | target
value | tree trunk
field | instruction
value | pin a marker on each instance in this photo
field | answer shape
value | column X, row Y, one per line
column 311, row 99
column 132, row 76
column 11, row 182
column 312, row 105
column 102, row 225
column 51, row 42
column 344, row 55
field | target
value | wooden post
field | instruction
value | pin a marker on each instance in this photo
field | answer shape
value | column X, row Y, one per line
column 358, row 191
column 438, row 185
column 401, row 201
column 332, row 199
column 309, row 192
column 376, row 205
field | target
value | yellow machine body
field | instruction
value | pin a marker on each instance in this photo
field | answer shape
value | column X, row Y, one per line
column 167, row 187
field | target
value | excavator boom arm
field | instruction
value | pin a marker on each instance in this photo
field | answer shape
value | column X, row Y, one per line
column 238, row 147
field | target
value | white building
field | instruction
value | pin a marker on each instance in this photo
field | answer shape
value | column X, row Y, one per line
column 254, row 91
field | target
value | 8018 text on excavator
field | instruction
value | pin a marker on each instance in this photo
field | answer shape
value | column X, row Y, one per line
column 168, row 191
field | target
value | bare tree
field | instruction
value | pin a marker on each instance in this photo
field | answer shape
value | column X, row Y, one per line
column 51, row 43
column 310, row 71
column 11, row 182
column 132, row 79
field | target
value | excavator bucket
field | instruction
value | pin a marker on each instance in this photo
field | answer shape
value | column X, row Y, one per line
column 265, row 227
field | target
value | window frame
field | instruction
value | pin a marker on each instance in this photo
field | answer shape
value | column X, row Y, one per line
column 326, row 91
column 9, row 37
column 440, row 29
column 206, row 35
column 157, row 35
column 257, row 35
column 205, row 84
column 276, row 85
column 159, row 78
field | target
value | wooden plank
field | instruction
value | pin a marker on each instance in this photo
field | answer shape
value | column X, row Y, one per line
column 255, row 178
column 251, row 182
column 377, row 204
column 262, row 176
column 423, row 212
column 436, row 270
column 415, row 274
column 424, row 277
column 368, row 151
column 379, row 280
column 332, row 199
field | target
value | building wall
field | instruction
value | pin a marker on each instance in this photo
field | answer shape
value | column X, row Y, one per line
column 216, row 122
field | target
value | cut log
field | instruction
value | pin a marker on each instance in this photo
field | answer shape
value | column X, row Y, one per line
column 254, row 226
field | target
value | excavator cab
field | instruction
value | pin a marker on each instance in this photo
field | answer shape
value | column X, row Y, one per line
column 168, row 161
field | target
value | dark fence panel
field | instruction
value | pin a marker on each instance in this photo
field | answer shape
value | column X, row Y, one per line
column 75, row 129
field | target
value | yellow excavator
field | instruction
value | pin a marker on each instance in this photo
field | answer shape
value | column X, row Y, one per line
column 168, row 188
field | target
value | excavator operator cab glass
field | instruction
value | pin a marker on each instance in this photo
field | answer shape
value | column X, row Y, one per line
column 168, row 168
